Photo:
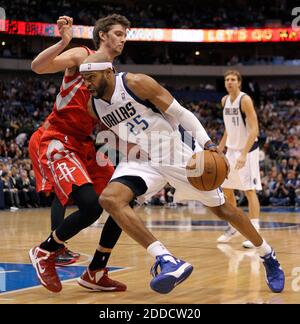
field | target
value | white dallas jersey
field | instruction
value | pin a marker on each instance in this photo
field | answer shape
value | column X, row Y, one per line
column 138, row 121
column 235, row 123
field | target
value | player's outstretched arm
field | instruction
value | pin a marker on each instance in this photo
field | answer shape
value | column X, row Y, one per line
column 51, row 60
column 148, row 89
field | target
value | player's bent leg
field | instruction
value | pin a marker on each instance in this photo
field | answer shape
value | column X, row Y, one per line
column 274, row 273
column 115, row 200
column 254, row 211
column 65, row 256
column 230, row 231
column 95, row 277
column 57, row 213
column 43, row 257
column 238, row 219
column 89, row 211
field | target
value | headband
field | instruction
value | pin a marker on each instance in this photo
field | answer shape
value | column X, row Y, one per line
column 87, row 67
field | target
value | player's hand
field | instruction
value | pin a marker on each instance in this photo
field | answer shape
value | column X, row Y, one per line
column 213, row 147
column 240, row 162
column 64, row 24
column 222, row 149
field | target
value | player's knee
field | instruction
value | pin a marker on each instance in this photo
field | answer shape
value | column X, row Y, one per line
column 120, row 192
column 87, row 200
column 109, row 201
column 93, row 211
column 225, row 211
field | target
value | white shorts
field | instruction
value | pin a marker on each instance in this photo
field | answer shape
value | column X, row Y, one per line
column 247, row 178
column 157, row 177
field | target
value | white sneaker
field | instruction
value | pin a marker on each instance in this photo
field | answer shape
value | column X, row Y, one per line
column 248, row 245
column 229, row 233
column 13, row 208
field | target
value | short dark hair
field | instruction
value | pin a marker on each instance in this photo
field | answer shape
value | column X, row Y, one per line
column 104, row 25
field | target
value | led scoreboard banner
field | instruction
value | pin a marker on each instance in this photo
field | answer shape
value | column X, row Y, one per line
column 14, row 27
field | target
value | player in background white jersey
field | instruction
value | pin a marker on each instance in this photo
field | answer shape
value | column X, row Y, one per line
column 138, row 103
column 240, row 139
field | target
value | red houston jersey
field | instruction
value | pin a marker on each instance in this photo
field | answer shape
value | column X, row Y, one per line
column 69, row 115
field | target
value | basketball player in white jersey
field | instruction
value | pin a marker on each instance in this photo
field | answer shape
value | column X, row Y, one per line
column 137, row 109
column 240, row 139
column 71, row 120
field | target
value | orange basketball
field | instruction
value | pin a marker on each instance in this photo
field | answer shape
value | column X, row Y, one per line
column 206, row 170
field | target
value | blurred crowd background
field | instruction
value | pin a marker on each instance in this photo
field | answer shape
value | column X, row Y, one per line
column 26, row 99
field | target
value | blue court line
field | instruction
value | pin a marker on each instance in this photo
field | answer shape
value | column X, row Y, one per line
column 280, row 209
column 15, row 276
column 213, row 225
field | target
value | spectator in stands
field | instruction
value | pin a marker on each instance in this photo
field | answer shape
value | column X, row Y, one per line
column 280, row 193
column 2, row 168
column 25, row 103
column 283, row 167
column 291, row 184
column 10, row 192
column 293, row 164
column 23, row 184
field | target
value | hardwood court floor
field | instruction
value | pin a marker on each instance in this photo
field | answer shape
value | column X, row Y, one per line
column 222, row 273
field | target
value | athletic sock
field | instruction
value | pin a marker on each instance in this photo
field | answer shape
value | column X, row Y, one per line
column 264, row 249
column 50, row 244
column 157, row 248
column 99, row 261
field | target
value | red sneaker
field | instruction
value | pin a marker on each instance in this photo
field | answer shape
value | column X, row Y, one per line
column 99, row 280
column 44, row 265
column 63, row 258
column 74, row 255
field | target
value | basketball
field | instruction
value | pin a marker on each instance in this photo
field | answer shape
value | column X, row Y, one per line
column 206, row 170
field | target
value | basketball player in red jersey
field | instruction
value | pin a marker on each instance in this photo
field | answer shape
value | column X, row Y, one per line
column 64, row 256
column 68, row 156
column 42, row 184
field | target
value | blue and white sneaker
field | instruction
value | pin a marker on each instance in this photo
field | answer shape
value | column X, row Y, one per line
column 173, row 271
column 274, row 273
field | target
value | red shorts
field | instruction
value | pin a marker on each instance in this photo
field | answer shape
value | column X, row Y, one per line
column 69, row 161
column 42, row 184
